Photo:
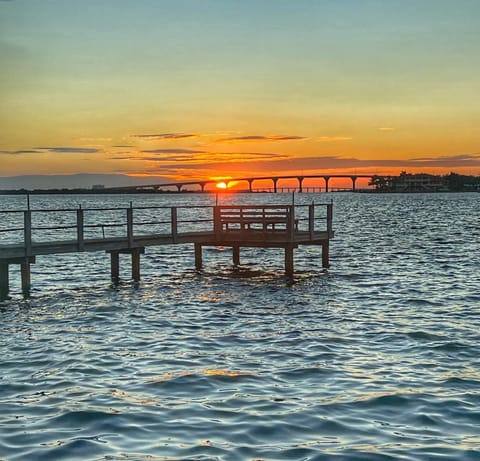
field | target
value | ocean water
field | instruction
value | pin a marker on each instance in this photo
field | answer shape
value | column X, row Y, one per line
column 377, row 358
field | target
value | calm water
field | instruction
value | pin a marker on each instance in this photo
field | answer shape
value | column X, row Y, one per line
column 376, row 359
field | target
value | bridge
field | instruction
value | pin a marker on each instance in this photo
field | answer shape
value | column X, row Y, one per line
column 274, row 180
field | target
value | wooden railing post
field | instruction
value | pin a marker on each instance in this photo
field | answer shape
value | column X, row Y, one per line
column 27, row 232
column 330, row 219
column 311, row 220
column 217, row 225
column 242, row 222
column 80, row 236
column 289, row 265
column 174, row 224
column 291, row 221
column 130, row 227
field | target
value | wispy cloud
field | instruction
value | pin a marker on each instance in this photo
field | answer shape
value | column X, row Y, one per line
column 247, row 156
column 226, row 157
column 95, row 139
column 260, row 138
column 386, row 128
column 449, row 161
column 332, row 138
column 305, row 164
column 69, row 150
column 227, row 137
column 173, row 151
column 166, row 136
column 252, row 163
column 199, row 157
column 339, row 162
column 56, row 150
column 18, row 152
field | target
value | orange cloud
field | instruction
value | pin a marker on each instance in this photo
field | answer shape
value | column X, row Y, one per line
column 199, row 157
column 166, row 136
column 54, row 150
column 333, row 138
column 260, row 138
column 312, row 165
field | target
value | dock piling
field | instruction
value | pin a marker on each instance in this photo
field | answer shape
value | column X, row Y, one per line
column 4, row 281
column 136, row 265
column 24, row 263
column 325, row 254
column 236, row 255
column 26, row 278
column 115, row 267
column 115, row 263
column 198, row 256
column 289, row 269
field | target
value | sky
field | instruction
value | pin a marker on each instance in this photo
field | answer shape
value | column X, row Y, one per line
column 200, row 89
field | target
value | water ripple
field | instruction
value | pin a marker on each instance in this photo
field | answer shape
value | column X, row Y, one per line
column 376, row 359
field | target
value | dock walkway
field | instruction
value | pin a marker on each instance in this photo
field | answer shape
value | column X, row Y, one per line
column 27, row 234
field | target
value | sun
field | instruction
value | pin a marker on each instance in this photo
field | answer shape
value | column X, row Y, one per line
column 222, row 185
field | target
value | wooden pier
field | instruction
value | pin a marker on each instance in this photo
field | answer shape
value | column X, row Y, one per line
column 29, row 233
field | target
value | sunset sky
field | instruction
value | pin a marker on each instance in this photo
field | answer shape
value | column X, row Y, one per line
column 193, row 89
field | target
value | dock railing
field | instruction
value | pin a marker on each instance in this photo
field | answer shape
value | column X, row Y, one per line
column 26, row 234
column 34, row 226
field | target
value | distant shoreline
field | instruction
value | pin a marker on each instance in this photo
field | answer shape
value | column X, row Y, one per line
column 93, row 192
column 183, row 191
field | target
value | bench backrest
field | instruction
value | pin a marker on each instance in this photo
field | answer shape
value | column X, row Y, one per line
column 251, row 218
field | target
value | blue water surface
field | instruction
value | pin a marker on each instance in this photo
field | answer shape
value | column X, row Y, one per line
column 377, row 358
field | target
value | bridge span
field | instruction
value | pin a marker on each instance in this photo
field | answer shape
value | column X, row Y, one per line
column 274, row 179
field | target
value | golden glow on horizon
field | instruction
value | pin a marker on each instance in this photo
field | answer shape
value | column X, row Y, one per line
column 218, row 112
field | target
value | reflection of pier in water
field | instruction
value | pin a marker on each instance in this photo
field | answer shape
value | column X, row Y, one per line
column 32, row 233
column 274, row 180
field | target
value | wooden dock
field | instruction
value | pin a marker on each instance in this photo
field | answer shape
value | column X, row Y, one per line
column 28, row 234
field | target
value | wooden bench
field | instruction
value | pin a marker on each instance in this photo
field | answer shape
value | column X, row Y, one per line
column 274, row 218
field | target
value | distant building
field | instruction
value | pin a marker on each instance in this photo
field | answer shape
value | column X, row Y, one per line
column 421, row 182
